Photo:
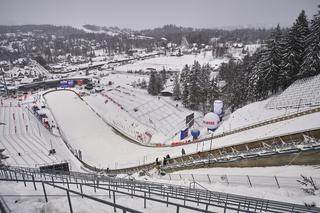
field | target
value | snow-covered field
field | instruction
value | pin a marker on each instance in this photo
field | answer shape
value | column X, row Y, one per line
column 173, row 63
column 284, row 171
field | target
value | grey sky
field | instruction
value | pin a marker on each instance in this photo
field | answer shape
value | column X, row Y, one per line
column 140, row 14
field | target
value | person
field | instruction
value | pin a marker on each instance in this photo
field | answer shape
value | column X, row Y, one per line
column 183, row 152
column 157, row 161
column 164, row 161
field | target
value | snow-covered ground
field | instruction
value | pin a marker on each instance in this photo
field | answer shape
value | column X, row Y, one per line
column 284, row 171
column 22, row 199
column 173, row 63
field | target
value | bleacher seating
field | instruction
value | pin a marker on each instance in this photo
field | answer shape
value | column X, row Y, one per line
column 23, row 138
column 156, row 113
column 302, row 93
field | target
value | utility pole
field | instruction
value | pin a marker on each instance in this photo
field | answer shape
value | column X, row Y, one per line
column 299, row 104
column 211, row 141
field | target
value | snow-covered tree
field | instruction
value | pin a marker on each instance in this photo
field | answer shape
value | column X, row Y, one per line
column 176, row 88
column 184, row 79
column 311, row 61
column 152, row 86
column 184, row 73
column 255, row 90
column 294, row 48
column 163, row 75
column 204, row 84
column 213, row 93
column 194, row 87
column 273, row 74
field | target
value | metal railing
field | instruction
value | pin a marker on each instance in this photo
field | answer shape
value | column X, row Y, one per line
column 246, row 180
column 180, row 197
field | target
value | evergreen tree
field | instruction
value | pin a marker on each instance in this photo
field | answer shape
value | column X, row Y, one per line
column 294, row 48
column 184, row 73
column 184, row 79
column 255, row 88
column 213, row 93
column 204, row 84
column 194, row 87
column 159, row 85
column 272, row 74
column 152, row 86
column 176, row 88
column 143, row 84
column 163, row 75
column 311, row 61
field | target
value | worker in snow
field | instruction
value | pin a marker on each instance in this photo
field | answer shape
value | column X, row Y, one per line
column 183, row 152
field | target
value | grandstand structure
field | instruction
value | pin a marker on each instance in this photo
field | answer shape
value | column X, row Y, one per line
column 156, row 113
column 302, row 93
column 25, row 140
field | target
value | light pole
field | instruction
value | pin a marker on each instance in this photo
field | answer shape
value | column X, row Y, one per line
column 211, row 141
column 299, row 104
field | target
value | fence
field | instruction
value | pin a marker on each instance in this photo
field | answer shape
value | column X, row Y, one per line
column 246, row 180
column 179, row 197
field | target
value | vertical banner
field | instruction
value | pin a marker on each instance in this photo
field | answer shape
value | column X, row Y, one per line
column 190, row 120
column 184, row 133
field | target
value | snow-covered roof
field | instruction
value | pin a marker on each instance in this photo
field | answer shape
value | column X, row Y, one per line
column 26, row 80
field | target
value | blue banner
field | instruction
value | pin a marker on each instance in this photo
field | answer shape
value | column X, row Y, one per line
column 184, row 133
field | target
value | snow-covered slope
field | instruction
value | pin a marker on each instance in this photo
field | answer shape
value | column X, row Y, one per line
column 302, row 93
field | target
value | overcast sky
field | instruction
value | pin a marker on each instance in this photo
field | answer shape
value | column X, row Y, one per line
column 140, row 14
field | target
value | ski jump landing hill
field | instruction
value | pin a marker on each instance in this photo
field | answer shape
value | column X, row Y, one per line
column 102, row 147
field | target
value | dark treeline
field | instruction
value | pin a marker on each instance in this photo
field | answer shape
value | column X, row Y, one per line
column 49, row 29
column 289, row 55
column 202, row 36
column 193, row 86
column 52, row 41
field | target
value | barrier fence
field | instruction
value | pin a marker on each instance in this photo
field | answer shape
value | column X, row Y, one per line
column 178, row 197
column 246, row 180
